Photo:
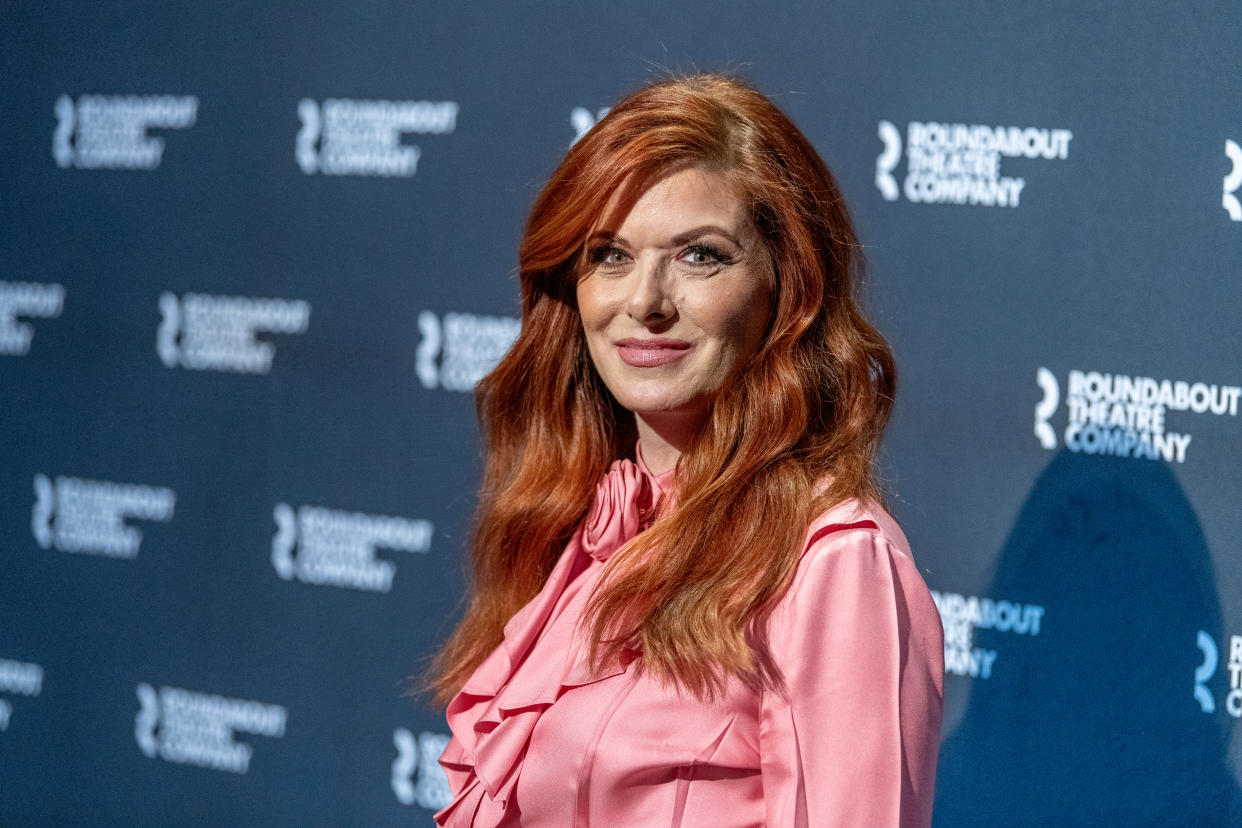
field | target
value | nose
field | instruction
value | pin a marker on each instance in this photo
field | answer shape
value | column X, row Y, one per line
column 649, row 300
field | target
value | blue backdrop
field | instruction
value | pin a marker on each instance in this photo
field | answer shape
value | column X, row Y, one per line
column 253, row 258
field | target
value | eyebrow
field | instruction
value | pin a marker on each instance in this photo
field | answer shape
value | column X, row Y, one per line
column 679, row 239
column 705, row 230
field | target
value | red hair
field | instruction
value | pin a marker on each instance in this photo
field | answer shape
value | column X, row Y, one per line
column 808, row 409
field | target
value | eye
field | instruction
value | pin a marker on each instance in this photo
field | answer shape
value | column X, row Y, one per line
column 704, row 255
column 607, row 256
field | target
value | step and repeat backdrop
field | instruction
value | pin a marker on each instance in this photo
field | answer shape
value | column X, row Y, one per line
column 255, row 256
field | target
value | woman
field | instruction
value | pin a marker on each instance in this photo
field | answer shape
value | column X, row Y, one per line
column 688, row 607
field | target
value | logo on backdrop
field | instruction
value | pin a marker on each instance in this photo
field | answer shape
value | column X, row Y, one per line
column 19, row 678
column 1207, row 669
column 191, row 728
column 351, row 137
column 963, row 614
column 1121, row 415
column 109, row 132
column 25, row 299
column 582, row 119
column 1232, row 182
column 217, row 333
column 457, row 351
column 337, row 548
column 961, row 163
column 417, row 778
column 75, row 515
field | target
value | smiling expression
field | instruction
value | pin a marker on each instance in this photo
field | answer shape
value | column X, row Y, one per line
column 676, row 299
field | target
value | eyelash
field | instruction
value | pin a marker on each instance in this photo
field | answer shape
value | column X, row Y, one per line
column 715, row 253
column 599, row 255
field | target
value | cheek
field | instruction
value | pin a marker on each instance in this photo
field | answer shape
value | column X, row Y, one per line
column 739, row 319
column 758, row 316
column 592, row 306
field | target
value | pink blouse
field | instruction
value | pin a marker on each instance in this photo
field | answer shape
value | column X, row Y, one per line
column 541, row 740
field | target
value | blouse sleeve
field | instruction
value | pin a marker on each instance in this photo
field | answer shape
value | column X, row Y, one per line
column 853, row 738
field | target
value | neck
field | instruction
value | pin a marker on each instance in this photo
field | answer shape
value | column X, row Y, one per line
column 664, row 438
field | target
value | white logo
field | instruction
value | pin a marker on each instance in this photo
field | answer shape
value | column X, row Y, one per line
column 110, row 131
column 1120, row 415
column 1205, row 671
column 887, row 161
column 962, row 615
column 20, row 678
column 457, row 353
column 431, row 790
column 582, row 119
column 1232, row 182
column 76, row 515
column 25, row 299
column 338, row 548
column 217, row 333
column 192, row 728
column 960, row 163
column 1046, row 407
column 351, row 137
column 1207, row 646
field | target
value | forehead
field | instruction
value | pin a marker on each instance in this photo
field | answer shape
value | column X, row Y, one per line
column 684, row 197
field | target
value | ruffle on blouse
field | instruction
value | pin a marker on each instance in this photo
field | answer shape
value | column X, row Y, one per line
column 539, row 660
column 623, row 503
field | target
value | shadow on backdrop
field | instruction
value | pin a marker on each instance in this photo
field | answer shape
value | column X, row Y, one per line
column 1094, row 721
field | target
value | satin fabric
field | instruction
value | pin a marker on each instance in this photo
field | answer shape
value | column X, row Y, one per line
column 539, row 739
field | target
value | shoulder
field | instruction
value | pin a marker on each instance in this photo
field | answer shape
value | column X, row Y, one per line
column 855, row 556
column 854, row 524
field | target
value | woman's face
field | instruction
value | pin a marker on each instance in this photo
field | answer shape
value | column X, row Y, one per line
column 676, row 298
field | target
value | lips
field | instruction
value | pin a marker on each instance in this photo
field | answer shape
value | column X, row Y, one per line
column 650, row 352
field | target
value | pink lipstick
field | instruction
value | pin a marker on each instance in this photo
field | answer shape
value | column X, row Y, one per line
column 650, row 352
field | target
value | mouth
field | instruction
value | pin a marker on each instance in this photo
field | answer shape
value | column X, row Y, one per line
column 650, row 352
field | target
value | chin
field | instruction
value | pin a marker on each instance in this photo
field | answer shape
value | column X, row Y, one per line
column 664, row 408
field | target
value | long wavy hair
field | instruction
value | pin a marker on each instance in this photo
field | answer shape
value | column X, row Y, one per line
column 796, row 433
